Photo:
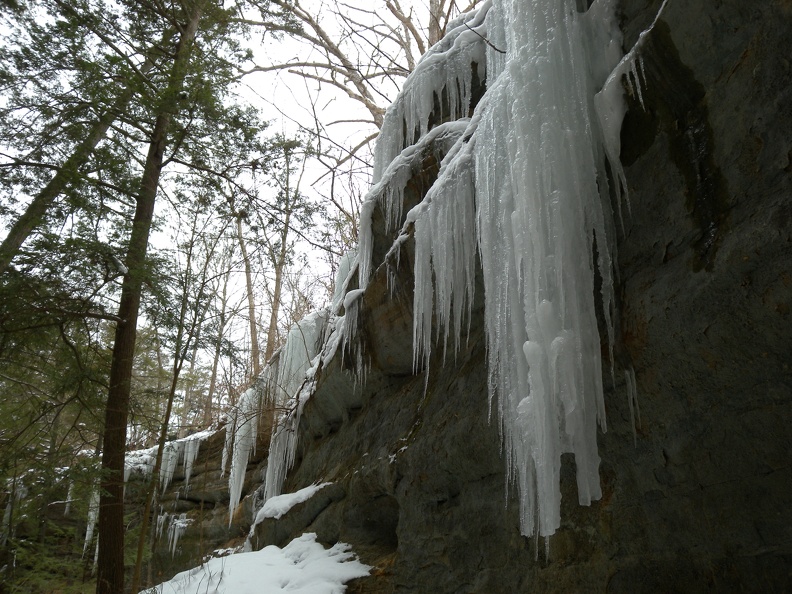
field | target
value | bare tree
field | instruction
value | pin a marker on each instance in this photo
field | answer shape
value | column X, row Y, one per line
column 364, row 53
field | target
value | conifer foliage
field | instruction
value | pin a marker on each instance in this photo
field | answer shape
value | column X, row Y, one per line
column 110, row 112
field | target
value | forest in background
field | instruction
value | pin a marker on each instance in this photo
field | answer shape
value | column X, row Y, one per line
column 168, row 213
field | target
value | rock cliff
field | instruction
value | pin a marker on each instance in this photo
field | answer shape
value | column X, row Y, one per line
column 697, row 496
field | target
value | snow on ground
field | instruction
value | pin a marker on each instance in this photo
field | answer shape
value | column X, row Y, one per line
column 301, row 567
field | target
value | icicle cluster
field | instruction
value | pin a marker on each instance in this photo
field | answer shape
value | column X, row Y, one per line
column 444, row 72
column 278, row 388
column 181, row 451
column 243, row 427
column 176, row 529
column 388, row 193
column 523, row 185
column 301, row 349
column 540, row 214
column 445, row 247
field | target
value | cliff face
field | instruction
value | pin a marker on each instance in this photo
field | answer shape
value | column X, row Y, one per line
column 699, row 498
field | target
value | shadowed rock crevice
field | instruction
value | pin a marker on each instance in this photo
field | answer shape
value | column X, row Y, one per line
column 673, row 100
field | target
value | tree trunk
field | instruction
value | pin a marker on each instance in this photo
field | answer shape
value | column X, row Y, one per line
column 110, row 576
column 280, row 264
column 254, row 344
column 221, row 324
column 436, row 20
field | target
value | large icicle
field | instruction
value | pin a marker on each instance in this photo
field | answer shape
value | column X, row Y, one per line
column 388, row 193
column 244, row 430
column 189, row 453
column 540, row 213
column 534, row 154
column 279, row 386
column 170, row 458
column 176, row 529
column 303, row 345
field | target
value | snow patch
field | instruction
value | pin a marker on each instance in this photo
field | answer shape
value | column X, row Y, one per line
column 301, row 567
column 277, row 506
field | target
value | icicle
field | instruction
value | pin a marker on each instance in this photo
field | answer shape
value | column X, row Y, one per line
column 445, row 250
column 283, row 445
column 176, row 530
column 349, row 339
column 170, row 459
column 609, row 101
column 345, row 268
column 244, row 440
column 388, row 194
column 280, row 384
column 189, row 453
column 162, row 519
column 445, row 70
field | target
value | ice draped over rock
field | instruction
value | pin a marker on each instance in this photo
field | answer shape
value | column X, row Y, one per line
column 524, row 187
column 523, row 190
column 276, row 393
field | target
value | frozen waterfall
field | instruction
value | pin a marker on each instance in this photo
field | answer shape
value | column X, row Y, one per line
column 524, row 187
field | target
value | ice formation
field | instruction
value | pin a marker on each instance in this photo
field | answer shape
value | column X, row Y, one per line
column 243, row 427
column 183, row 451
column 277, row 506
column 525, row 187
column 388, row 192
column 302, row 346
column 178, row 524
column 445, row 73
column 278, row 388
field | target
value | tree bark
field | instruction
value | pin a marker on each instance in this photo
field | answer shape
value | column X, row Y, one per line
column 110, row 575
column 255, row 353
column 280, row 264
column 221, row 324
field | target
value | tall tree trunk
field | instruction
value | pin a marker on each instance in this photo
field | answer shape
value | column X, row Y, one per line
column 221, row 324
column 436, row 20
column 280, row 265
column 189, row 389
column 255, row 354
column 110, row 576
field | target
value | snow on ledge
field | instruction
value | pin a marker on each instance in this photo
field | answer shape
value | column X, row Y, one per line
column 277, row 506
